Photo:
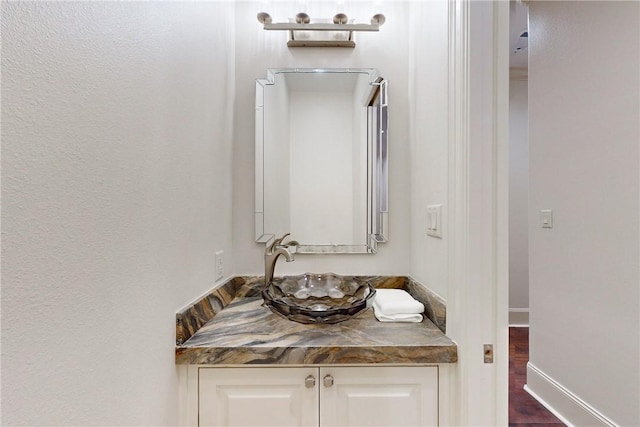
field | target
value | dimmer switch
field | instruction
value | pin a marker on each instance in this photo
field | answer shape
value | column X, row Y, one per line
column 546, row 218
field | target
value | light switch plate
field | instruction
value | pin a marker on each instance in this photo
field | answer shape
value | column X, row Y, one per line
column 546, row 218
column 219, row 265
column 434, row 221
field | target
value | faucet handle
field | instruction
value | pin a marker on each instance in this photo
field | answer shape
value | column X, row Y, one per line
column 282, row 242
column 278, row 242
column 274, row 244
column 289, row 243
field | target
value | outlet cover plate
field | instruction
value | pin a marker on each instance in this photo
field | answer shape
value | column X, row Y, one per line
column 434, row 221
column 546, row 218
column 219, row 265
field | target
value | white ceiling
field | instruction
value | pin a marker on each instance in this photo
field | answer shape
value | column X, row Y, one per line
column 518, row 59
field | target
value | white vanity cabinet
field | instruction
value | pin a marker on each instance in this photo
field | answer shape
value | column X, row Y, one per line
column 379, row 396
column 314, row 396
column 257, row 397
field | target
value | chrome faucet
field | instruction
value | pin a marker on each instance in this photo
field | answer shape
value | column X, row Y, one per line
column 273, row 251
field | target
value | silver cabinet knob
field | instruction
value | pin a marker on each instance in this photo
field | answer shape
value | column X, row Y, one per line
column 310, row 381
column 327, row 380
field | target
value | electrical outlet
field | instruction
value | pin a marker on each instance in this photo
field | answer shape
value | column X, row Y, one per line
column 434, row 221
column 219, row 265
column 546, row 218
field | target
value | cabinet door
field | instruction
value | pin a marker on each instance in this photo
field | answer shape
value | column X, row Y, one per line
column 379, row 396
column 257, row 397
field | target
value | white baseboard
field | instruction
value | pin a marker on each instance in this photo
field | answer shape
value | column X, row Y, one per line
column 562, row 403
column 519, row 317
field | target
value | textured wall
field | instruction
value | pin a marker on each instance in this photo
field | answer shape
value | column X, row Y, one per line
column 116, row 191
column 584, row 65
column 118, row 171
column 429, row 108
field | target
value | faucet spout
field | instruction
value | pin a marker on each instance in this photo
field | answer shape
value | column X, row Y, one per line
column 272, row 254
column 284, row 251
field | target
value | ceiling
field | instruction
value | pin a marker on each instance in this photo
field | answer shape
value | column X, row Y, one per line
column 518, row 36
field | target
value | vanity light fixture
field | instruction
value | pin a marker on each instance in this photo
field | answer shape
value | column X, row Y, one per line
column 336, row 32
column 264, row 18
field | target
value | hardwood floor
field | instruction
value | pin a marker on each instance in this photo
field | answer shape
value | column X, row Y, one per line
column 524, row 410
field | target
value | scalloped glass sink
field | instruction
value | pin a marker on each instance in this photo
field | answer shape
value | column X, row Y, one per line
column 318, row 298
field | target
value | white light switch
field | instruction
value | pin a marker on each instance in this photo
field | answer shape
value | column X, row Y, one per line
column 546, row 218
column 434, row 220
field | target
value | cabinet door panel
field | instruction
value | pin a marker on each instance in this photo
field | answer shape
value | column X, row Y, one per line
column 257, row 397
column 380, row 396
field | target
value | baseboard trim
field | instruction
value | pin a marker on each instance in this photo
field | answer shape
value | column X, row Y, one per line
column 519, row 317
column 561, row 402
column 547, row 406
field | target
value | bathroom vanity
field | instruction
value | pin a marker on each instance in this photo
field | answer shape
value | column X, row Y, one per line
column 242, row 364
column 307, row 350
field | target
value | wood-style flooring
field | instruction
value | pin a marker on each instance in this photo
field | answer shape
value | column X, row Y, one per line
column 524, row 410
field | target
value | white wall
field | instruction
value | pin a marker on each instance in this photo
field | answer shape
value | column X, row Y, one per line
column 429, row 109
column 518, row 195
column 117, row 165
column 584, row 165
column 414, row 58
column 257, row 50
column 116, row 170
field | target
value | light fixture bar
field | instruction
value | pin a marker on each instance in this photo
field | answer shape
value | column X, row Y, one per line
column 284, row 26
column 303, row 23
column 321, row 43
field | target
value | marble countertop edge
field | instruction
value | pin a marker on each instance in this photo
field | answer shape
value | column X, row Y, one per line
column 389, row 355
column 230, row 327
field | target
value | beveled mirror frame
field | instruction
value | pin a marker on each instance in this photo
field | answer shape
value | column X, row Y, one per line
column 377, row 164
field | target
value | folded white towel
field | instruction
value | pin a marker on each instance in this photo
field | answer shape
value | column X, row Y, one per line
column 415, row 318
column 396, row 305
column 397, row 301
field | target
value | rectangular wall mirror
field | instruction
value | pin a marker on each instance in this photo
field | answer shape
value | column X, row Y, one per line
column 321, row 159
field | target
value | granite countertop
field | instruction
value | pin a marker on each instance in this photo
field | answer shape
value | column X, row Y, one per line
column 232, row 327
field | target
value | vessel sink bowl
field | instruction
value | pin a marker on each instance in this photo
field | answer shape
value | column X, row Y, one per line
column 318, row 298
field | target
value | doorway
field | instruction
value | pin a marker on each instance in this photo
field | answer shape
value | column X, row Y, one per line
column 523, row 408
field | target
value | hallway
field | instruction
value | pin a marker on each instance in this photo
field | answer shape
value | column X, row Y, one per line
column 524, row 410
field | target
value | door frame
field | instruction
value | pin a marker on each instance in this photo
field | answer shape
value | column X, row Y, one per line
column 477, row 299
